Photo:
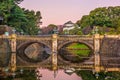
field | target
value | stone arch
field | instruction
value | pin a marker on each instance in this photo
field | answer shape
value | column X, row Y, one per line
column 67, row 60
column 21, row 48
column 26, row 43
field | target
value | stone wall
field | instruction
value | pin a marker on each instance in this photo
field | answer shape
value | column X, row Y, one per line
column 110, row 52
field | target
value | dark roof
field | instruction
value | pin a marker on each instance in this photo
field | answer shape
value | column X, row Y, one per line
column 69, row 22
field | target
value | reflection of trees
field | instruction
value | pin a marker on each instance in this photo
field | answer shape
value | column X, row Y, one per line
column 72, row 57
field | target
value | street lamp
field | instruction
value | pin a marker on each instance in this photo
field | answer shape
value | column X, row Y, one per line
column 1, row 19
column 6, row 70
column 13, row 75
column 96, row 30
column 97, row 75
column 21, row 71
column 22, row 32
column 93, row 71
column 55, row 31
column 39, row 32
column 13, row 30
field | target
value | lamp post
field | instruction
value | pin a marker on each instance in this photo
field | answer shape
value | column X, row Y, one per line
column 1, row 19
column 22, row 32
column 39, row 32
column 14, row 31
column 13, row 75
column 6, row 70
column 55, row 31
column 97, row 75
column 21, row 71
column 96, row 30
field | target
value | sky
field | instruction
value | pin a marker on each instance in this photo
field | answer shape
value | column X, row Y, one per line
column 59, row 12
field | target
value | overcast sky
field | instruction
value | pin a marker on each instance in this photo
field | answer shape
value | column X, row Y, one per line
column 60, row 11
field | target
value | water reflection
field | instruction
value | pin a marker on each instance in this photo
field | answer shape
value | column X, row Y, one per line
column 60, row 75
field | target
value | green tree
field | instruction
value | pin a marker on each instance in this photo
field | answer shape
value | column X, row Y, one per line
column 32, row 25
column 51, row 28
column 22, row 20
column 103, row 17
column 84, row 22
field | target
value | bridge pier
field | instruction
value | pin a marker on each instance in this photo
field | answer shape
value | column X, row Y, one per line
column 13, row 53
column 96, row 52
column 54, row 52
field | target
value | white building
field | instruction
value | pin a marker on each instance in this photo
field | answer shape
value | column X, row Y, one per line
column 68, row 26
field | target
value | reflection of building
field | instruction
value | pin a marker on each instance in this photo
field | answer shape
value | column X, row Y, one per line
column 60, row 28
column 69, row 70
column 38, row 74
column 68, row 25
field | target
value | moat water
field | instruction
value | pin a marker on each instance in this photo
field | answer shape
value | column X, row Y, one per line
column 46, row 74
column 36, row 52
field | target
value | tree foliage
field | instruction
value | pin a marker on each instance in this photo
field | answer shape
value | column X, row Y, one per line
column 105, row 16
column 21, row 19
column 51, row 28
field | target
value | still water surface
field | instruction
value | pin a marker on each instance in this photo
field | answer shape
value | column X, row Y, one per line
column 60, row 75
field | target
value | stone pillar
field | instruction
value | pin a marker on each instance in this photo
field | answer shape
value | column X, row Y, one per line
column 54, row 51
column 13, row 53
column 96, row 52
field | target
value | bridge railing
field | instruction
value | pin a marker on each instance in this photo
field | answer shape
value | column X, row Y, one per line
column 33, row 37
column 75, row 37
column 110, row 36
column 82, row 36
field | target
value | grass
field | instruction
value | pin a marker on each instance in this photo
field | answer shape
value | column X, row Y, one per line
column 77, row 46
column 82, row 53
column 79, row 49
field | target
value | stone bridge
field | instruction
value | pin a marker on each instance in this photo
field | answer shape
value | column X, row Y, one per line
column 105, row 49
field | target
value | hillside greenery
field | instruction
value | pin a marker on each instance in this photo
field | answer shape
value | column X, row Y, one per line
column 103, row 17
